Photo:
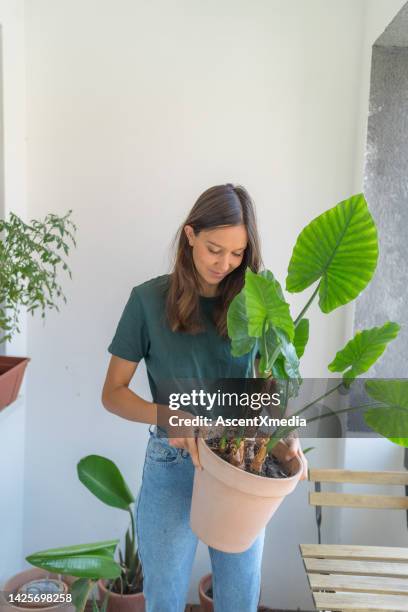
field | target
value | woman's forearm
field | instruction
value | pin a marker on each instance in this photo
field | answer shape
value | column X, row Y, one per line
column 125, row 403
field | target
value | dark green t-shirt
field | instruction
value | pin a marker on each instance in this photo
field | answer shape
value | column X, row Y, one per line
column 143, row 333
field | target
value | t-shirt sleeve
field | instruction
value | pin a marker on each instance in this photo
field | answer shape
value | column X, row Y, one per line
column 131, row 340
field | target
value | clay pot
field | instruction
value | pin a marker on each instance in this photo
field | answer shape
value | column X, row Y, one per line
column 121, row 603
column 205, row 601
column 11, row 376
column 230, row 507
column 17, row 581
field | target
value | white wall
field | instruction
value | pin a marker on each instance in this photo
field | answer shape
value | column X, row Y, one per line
column 134, row 109
column 12, row 418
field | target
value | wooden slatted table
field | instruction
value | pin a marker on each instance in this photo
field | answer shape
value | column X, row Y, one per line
column 357, row 578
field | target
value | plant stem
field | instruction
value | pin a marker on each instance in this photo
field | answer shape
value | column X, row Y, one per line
column 335, row 413
column 133, row 528
column 287, row 430
column 277, row 433
column 302, row 312
column 317, row 400
column 91, row 585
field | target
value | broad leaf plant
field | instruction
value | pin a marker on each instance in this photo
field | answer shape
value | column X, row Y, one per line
column 337, row 254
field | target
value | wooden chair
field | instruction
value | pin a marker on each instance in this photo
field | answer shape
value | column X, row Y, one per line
column 357, row 578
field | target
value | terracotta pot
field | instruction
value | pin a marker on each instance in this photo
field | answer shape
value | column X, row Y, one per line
column 17, row 581
column 11, row 376
column 121, row 603
column 205, row 601
column 230, row 507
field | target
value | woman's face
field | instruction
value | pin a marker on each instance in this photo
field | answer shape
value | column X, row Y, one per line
column 216, row 253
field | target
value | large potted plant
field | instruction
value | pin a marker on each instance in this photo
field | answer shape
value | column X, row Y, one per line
column 103, row 478
column 30, row 256
column 80, row 566
column 246, row 476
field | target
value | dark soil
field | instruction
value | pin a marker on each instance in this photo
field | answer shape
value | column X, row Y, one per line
column 271, row 467
column 129, row 591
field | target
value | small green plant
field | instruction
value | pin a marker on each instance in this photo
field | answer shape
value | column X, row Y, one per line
column 88, row 562
column 92, row 562
column 30, row 256
column 103, row 478
column 337, row 252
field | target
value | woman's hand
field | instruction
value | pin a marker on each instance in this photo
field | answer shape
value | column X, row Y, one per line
column 189, row 444
column 184, row 436
column 294, row 449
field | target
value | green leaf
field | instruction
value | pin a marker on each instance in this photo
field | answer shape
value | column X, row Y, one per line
column 263, row 303
column 105, row 602
column 129, row 550
column 392, row 423
column 269, row 275
column 105, row 547
column 278, row 368
column 237, row 323
column 391, row 420
column 301, row 336
column 340, row 247
column 85, row 560
column 94, row 604
column 83, row 566
column 308, row 449
column 79, row 591
column 393, row 392
column 103, row 478
column 268, row 342
column 291, row 360
column 360, row 353
column 286, row 365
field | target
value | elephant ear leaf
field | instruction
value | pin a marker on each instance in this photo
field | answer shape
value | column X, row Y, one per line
column 291, row 360
column 237, row 323
column 265, row 304
column 301, row 337
column 362, row 351
column 339, row 248
column 391, row 419
column 269, row 275
column 286, row 365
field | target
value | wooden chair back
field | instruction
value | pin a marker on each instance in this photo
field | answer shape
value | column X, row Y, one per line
column 355, row 500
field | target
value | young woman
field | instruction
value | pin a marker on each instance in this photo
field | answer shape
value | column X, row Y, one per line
column 177, row 324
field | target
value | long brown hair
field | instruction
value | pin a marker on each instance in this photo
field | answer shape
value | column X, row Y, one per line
column 218, row 206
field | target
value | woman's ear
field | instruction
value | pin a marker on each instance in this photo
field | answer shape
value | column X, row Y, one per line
column 190, row 234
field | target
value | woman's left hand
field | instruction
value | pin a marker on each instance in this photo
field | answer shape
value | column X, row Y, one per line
column 294, row 449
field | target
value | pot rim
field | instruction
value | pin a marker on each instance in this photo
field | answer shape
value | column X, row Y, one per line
column 294, row 476
column 202, row 583
column 101, row 584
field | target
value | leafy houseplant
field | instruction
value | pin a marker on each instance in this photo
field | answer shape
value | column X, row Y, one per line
column 87, row 562
column 103, row 478
column 30, row 257
column 337, row 252
column 94, row 563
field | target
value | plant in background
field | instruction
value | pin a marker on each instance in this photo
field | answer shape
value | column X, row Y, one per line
column 88, row 562
column 104, row 479
column 338, row 252
column 30, row 256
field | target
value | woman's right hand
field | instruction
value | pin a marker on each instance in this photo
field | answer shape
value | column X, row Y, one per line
column 183, row 436
column 190, row 445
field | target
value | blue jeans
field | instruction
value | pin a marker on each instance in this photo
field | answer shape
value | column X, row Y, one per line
column 167, row 545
